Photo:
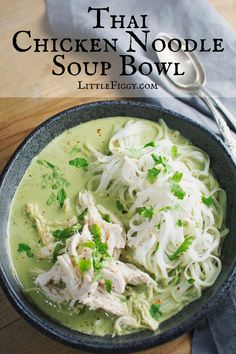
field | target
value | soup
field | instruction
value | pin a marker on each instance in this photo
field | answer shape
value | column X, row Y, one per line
column 116, row 226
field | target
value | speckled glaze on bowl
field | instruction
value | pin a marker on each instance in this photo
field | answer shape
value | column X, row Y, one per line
column 225, row 171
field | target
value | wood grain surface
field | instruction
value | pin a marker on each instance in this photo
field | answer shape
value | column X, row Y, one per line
column 18, row 116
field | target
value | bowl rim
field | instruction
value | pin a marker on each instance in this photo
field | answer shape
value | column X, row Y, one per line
column 47, row 326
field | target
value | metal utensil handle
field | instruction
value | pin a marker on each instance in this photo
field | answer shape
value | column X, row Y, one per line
column 224, row 129
column 228, row 115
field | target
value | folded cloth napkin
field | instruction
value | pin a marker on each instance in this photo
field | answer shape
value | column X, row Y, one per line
column 187, row 19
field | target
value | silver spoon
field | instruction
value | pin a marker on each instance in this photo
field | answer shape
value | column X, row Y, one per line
column 193, row 81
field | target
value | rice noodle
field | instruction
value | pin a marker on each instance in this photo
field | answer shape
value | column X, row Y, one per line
column 152, row 241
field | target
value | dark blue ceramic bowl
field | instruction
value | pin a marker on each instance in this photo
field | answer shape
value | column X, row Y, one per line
column 184, row 321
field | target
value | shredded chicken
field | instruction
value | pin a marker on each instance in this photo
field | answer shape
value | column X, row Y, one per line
column 66, row 282
column 43, row 226
column 112, row 233
column 125, row 322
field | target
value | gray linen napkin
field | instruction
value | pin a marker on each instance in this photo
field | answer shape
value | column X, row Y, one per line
column 188, row 19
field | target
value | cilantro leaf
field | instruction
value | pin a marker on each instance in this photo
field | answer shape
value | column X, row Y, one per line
column 84, row 265
column 207, row 200
column 97, row 262
column 100, row 252
column 177, row 176
column 161, row 160
column 174, row 152
column 155, row 311
column 66, row 233
column 51, row 199
column 79, row 162
column 157, row 159
column 181, row 223
column 61, row 197
column 120, row 206
column 45, row 180
column 152, row 175
column 177, row 190
column 106, row 217
column 96, row 233
column 23, row 247
column 54, row 180
column 157, row 246
column 145, row 212
column 151, row 144
column 108, row 285
column 89, row 244
column 47, row 164
column 101, row 247
column 182, row 248
column 82, row 215
column 56, row 251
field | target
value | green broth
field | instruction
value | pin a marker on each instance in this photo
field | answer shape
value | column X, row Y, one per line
column 96, row 133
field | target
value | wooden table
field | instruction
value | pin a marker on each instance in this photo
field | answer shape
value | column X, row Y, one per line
column 18, row 116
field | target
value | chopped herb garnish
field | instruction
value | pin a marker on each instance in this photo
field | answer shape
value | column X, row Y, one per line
column 100, row 252
column 177, row 176
column 177, row 190
column 106, row 217
column 161, row 160
column 157, row 159
column 145, row 212
column 157, row 246
column 151, row 144
column 66, row 233
column 155, row 311
column 108, row 285
column 79, row 162
column 52, row 199
column 181, row 223
column 23, row 247
column 174, row 152
column 152, row 175
column 54, row 180
column 158, row 225
column 56, row 251
column 101, row 247
column 97, row 262
column 96, row 233
column 47, row 164
column 191, row 281
column 182, row 248
column 207, row 200
column 84, row 265
column 61, row 197
column 120, row 206
column 82, row 215
column 89, row 244
column 74, row 150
